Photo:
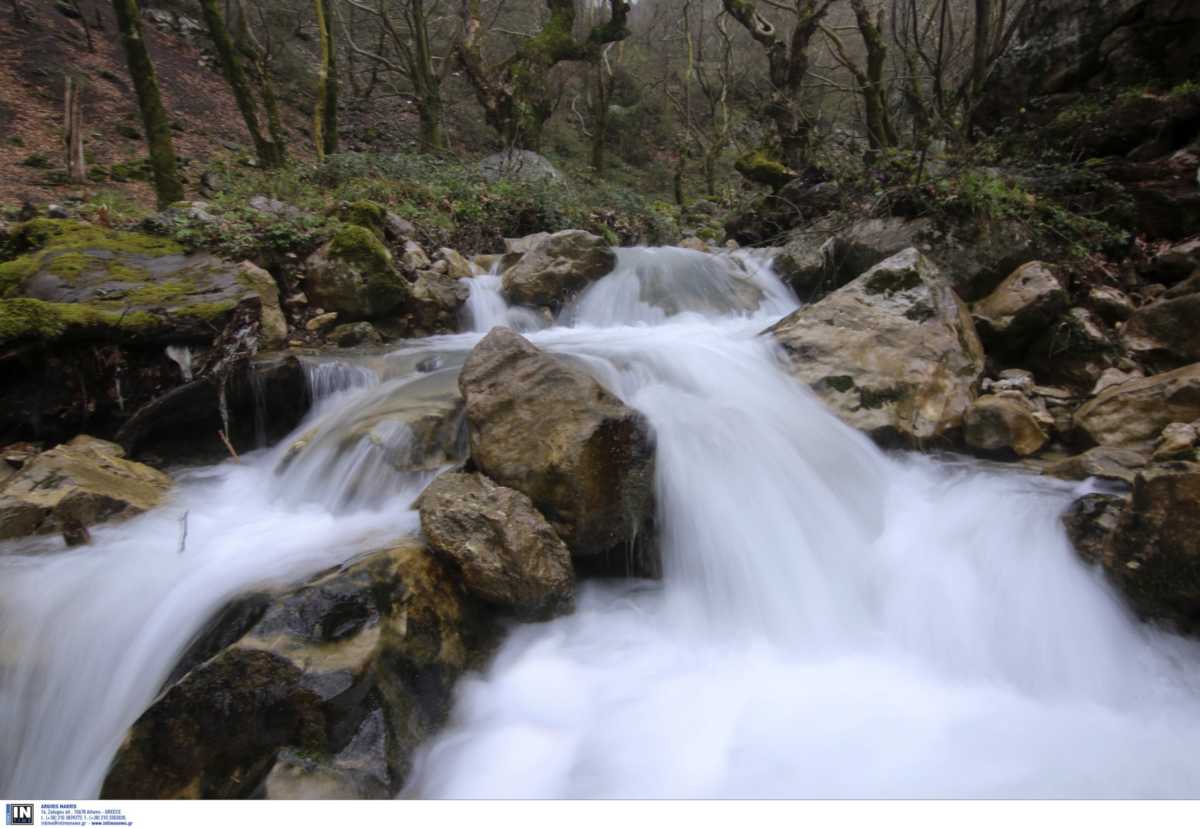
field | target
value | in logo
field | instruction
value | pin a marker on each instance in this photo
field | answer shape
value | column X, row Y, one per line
column 18, row 814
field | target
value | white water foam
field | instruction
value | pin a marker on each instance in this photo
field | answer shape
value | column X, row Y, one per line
column 832, row 621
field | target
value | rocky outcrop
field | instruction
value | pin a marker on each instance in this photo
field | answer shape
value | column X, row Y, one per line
column 74, row 486
column 519, row 165
column 332, row 687
column 1019, row 309
column 1152, row 553
column 505, row 551
column 81, row 282
column 1134, row 413
column 894, row 353
column 557, row 268
column 355, row 276
column 1003, row 422
column 544, row 427
column 1165, row 332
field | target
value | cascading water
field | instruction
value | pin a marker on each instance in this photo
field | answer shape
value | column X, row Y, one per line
column 832, row 621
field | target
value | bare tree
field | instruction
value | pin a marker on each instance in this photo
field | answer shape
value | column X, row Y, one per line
column 516, row 95
column 869, row 80
column 73, row 129
column 325, row 136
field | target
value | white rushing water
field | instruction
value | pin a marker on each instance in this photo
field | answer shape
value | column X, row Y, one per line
column 832, row 621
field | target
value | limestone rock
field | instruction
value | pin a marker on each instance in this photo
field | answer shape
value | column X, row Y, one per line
column 457, row 265
column 542, row 426
column 557, row 268
column 1020, row 308
column 1003, row 422
column 1110, row 462
column 81, row 483
column 506, row 551
column 1178, row 442
column 1166, row 330
column 414, row 257
column 519, row 165
column 1135, row 413
column 894, row 353
column 1110, row 303
column 274, row 326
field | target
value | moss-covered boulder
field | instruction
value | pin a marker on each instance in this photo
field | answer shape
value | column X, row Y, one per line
column 76, row 485
column 355, row 275
column 348, row 672
column 71, row 279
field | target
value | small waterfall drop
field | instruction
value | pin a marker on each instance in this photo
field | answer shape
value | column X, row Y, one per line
column 832, row 622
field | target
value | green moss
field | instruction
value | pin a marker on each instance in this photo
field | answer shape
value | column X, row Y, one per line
column 35, row 319
column 367, row 214
column 208, row 311
column 160, row 293
column 67, row 234
column 892, row 281
column 760, row 167
column 69, row 265
column 13, row 274
column 361, row 248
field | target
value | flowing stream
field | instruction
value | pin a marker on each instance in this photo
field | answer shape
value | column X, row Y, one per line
column 832, row 622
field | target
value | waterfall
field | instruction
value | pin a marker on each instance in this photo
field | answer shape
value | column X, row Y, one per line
column 833, row 621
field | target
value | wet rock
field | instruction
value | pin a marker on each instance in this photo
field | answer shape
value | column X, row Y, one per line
column 320, row 322
column 693, row 243
column 1021, row 307
column 1090, row 522
column 274, row 326
column 542, row 426
column 1135, row 413
column 1165, row 331
column 354, row 275
column 1178, row 442
column 1003, row 422
column 557, row 268
column 76, row 485
column 894, row 353
column 354, row 334
column 457, row 266
column 507, row 553
column 437, row 299
column 1154, row 552
column 1109, row 462
column 352, row 671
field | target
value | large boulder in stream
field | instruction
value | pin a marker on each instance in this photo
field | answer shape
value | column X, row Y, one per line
column 76, row 485
column 1148, row 545
column 354, row 275
column 507, row 553
column 894, row 353
column 556, row 268
column 322, row 690
column 543, row 426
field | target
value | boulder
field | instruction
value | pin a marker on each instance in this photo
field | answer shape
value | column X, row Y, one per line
column 557, row 268
column 457, row 265
column 1165, row 332
column 1110, row 462
column 79, row 484
column 506, row 552
column 1075, row 350
column 894, row 353
column 414, row 257
column 436, row 301
column 354, row 334
column 1178, row 442
column 544, row 427
column 1134, row 413
column 519, row 165
column 351, row 670
column 524, row 244
column 82, row 282
column 274, row 326
column 1021, row 307
column 1003, row 422
column 1090, row 522
column 1110, row 304
column 355, row 276
column 398, row 229
column 1153, row 554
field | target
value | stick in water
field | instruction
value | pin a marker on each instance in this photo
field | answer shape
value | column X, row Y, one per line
column 229, row 446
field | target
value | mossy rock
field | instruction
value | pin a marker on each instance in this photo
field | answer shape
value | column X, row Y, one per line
column 81, row 280
column 368, row 214
column 356, row 276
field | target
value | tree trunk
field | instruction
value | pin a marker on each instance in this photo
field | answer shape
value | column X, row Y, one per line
column 321, row 110
column 427, row 83
column 73, row 111
column 331, row 86
column 167, row 185
column 600, row 123
column 238, row 82
column 980, row 57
